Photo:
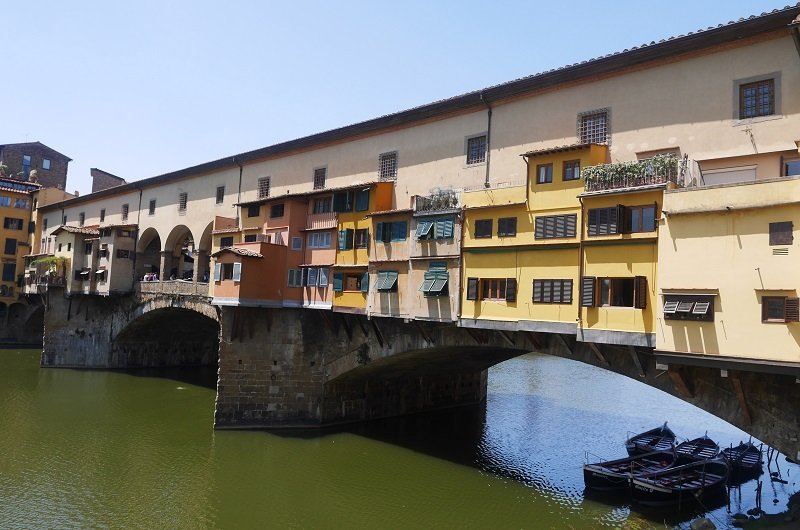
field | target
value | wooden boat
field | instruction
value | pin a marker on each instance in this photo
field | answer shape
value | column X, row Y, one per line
column 681, row 484
column 745, row 461
column 658, row 439
column 702, row 448
column 615, row 474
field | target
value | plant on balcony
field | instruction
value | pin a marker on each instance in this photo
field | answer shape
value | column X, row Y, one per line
column 659, row 169
column 3, row 170
column 440, row 200
column 54, row 264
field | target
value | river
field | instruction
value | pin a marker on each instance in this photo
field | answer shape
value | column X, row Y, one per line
column 95, row 449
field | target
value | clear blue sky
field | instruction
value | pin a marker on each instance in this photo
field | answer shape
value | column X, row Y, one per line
column 147, row 87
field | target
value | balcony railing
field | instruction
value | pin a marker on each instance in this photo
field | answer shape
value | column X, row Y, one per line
column 321, row 220
column 660, row 169
column 438, row 201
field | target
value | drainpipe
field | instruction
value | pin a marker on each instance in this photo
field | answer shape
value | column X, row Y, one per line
column 239, row 191
column 488, row 139
column 460, row 268
column 138, row 233
column 580, row 263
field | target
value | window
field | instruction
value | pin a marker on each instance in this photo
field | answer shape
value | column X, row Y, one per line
column 552, row 291
column 441, row 228
column 46, row 163
column 276, row 210
column 151, row 210
column 64, row 220
column 297, row 243
column 322, row 205
column 59, row 247
column 21, row 203
column 124, row 212
column 387, row 166
column 781, row 233
column 123, row 253
column 640, row 219
column 362, row 200
column 312, row 277
column 31, row 227
column 614, row 292
column 355, row 282
column 387, row 281
column 295, row 278
column 343, row 201
column 322, row 277
column 544, row 173
column 320, row 174
column 689, row 307
column 483, row 228
column 102, row 215
column 391, row 231
column 555, row 226
column 9, row 272
column 183, row 199
column 11, row 246
column 757, row 99
column 254, row 210
column 476, row 149
column 69, row 246
column 250, row 238
column 593, row 127
column 319, row 240
column 44, row 224
column 12, row 223
column 435, row 281
column 226, row 242
column 26, row 165
column 507, row 227
column 220, row 194
column 5, row 201
column 228, row 271
column 362, row 238
column 791, row 167
column 87, row 248
column 346, row 239
column 81, row 218
column 263, row 187
column 572, row 170
column 499, row 289
column 605, row 221
column 780, row 309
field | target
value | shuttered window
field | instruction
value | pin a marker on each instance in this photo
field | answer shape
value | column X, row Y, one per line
column 780, row 309
column 435, row 282
column 781, row 233
column 552, row 291
column 483, row 228
column 365, row 282
column 441, row 228
column 507, row 226
column 640, row 292
column 511, row 289
column 555, row 226
column 343, row 201
column 689, row 307
column 338, row 282
column 362, row 200
column 605, row 221
column 386, row 281
column 472, row 288
column 588, row 293
column 391, row 231
column 346, row 239
column 217, row 272
column 237, row 272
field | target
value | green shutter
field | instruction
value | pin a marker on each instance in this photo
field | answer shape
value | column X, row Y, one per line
column 365, row 282
column 342, row 239
column 445, row 228
column 511, row 289
column 362, row 200
column 379, row 232
column 338, row 282
column 217, row 272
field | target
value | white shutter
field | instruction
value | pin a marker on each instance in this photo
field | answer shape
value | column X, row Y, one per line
column 237, row 272
column 217, row 272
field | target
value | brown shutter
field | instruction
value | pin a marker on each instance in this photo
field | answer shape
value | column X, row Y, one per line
column 511, row 289
column 781, row 233
column 537, row 290
column 593, row 220
column 640, row 292
column 472, row 288
column 792, row 310
column 588, row 291
column 571, row 222
column 619, row 225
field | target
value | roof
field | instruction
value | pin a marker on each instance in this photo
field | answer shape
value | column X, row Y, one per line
column 390, row 212
column 308, row 193
column 315, row 265
column 37, row 144
column 121, row 225
column 232, row 230
column 77, row 230
column 22, row 186
column 559, row 149
column 778, row 19
column 238, row 251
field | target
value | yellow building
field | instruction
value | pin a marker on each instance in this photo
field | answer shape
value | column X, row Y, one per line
column 15, row 209
column 728, row 283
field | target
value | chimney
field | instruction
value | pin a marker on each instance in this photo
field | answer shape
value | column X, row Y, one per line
column 77, row 193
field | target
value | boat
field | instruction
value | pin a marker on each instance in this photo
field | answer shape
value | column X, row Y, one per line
column 703, row 448
column 681, row 484
column 615, row 474
column 658, row 439
column 745, row 461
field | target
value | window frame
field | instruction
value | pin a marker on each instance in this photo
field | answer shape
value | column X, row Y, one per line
column 263, row 187
column 588, row 134
column 253, row 210
column 758, row 111
column 510, row 224
column 280, row 207
column 472, row 156
column 790, row 309
column 183, row 202
column 688, row 307
column 151, row 207
column 781, row 233
column 225, row 239
column 319, row 177
column 483, row 228
column 565, row 288
column 642, row 209
column 562, row 226
column 387, row 166
column 547, row 177
column 126, row 209
column 569, row 166
column 220, row 197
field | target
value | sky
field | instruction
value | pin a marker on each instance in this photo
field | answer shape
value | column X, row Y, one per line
column 143, row 88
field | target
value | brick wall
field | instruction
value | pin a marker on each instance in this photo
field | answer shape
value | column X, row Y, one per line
column 56, row 176
column 102, row 180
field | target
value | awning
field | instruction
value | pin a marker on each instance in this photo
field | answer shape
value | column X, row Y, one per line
column 85, row 272
column 99, row 271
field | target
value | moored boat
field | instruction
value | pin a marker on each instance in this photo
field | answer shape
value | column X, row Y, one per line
column 745, row 461
column 615, row 474
column 702, row 448
column 680, row 484
column 658, row 439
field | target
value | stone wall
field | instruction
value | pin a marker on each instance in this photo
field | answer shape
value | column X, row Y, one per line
column 56, row 176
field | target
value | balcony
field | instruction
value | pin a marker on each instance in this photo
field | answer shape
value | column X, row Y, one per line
column 661, row 170
column 438, row 201
column 317, row 221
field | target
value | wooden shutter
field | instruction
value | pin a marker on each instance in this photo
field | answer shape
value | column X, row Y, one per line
column 618, row 216
column 447, row 229
column 472, row 288
column 561, row 226
column 365, row 282
column 217, row 272
column 237, row 272
column 537, row 290
column 338, row 282
column 594, row 222
column 511, row 289
column 571, row 223
column 539, row 232
column 566, row 292
column 379, row 232
column 792, row 309
column 640, row 292
column 588, row 295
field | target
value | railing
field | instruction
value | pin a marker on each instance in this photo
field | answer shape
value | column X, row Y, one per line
column 496, row 185
column 660, row 169
column 173, row 287
column 438, row 201
column 321, row 220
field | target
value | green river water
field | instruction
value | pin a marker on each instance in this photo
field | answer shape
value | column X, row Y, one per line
column 94, row 449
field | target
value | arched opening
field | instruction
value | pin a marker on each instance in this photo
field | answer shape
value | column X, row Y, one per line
column 203, row 254
column 148, row 254
column 179, row 253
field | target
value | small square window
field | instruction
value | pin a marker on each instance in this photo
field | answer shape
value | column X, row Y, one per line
column 320, row 175
column 297, row 243
column 572, row 170
column 757, row 99
column 507, row 227
column 544, row 173
column 45, row 163
column 276, row 210
column 220, row 194
column 593, row 127
column 781, row 233
column 254, row 210
column 183, row 200
column 250, row 238
column 476, row 149
column 226, row 242
column 483, row 228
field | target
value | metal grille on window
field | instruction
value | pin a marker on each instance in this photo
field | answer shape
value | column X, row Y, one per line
column 263, row 187
column 388, row 166
column 319, row 178
column 593, row 127
column 476, row 150
column 183, row 198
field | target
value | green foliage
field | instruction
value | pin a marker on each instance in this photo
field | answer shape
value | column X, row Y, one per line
column 660, row 168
